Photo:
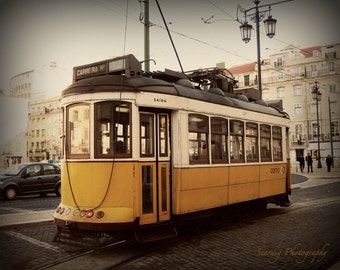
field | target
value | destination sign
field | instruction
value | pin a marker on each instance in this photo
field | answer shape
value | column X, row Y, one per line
column 127, row 65
column 89, row 71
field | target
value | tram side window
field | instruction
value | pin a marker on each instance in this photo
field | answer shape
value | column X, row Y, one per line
column 146, row 135
column 198, row 139
column 265, row 143
column 78, row 127
column 251, row 142
column 112, row 127
column 236, row 141
column 277, row 144
column 163, row 135
column 219, row 133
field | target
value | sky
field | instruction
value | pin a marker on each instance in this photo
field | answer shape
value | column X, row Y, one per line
column 34, row 33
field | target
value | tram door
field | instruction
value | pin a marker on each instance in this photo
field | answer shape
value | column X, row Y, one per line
column 155, row 167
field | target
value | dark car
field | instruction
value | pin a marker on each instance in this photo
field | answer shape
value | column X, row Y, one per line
column 30, row 178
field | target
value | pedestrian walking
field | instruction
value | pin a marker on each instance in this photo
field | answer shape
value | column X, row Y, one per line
column 302, row 163
column 329, row 161
column 309, row 161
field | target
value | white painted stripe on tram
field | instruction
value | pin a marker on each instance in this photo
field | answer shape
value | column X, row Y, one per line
column 34, row 241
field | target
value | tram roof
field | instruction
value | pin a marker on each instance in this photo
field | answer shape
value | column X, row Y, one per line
column 110, row 83
column 124, row 73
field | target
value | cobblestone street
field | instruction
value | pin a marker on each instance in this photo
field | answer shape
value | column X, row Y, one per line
column 305, row 235
column 295, row 238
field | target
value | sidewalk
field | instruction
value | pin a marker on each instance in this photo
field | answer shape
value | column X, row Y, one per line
column 319, row 176
column 16, row 220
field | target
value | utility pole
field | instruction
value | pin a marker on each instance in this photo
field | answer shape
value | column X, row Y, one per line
column 146, row 36
column 330, row 130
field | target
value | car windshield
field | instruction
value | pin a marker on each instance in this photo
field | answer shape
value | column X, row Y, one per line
column 14, row 170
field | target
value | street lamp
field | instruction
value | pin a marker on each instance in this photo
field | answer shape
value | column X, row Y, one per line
column 270, row 27
column 316, row 95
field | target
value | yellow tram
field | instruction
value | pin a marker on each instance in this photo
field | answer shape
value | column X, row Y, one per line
column 144, row 149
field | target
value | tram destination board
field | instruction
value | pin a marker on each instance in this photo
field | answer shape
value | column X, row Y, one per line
column 126, row 64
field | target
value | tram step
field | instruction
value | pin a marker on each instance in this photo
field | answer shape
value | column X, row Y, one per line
column 155, row 233
column 80, row 238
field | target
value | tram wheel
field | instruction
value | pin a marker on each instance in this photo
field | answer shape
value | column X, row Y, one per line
column 58, row 190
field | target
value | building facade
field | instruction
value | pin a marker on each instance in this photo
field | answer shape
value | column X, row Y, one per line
column 44, row 132
column 289, row 76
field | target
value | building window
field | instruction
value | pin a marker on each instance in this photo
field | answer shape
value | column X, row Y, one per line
column 330, row 55
column 297, row 90
column 251, row 142
column 298, row 133
column 315, row 130
column 313, row 67
column 331, row 67
column 278, row 62
column 265, row 94
column 219, row 135
column 198, row 138
column 280, row 75
column 314, row 70
column 280, row 92
column 298, row 109
column 316, row 53
column 332, row 88
column 246, row 80
column 236, row 141
column 297, row 72
column 335, row 128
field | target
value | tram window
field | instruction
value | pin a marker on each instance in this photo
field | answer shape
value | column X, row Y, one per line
column 277, row 143
column 236, row 141
column 163, row 135
column 265, row 143
column 219, row 133
column 147, row 189
column 146, row 135
column 112, row 127
column 198, row 138
column 78, row 127
column 251, row 142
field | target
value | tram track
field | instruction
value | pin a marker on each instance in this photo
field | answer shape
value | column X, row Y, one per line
column 112, row 254
column 108, row 256
column 115, row 254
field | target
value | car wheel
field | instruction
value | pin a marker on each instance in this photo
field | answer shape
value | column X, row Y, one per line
column 10, row 193
column 58, row 190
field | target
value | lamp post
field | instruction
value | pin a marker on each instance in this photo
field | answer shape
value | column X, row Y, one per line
column 270, row 26
column 316, row 95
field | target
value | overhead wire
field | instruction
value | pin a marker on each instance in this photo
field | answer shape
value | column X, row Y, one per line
column 207, row 43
